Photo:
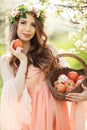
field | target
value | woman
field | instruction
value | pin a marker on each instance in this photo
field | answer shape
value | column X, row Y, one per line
column 26, row 102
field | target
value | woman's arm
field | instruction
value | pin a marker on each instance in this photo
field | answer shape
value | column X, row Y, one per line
column 11, row 106
column 5, row 69
column 7, row 73
column 20, row 77
column 21, row 73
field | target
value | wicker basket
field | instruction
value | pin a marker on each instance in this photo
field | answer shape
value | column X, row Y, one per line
column 53, row 76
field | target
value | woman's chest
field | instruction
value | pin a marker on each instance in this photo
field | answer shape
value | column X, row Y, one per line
column 35, row 80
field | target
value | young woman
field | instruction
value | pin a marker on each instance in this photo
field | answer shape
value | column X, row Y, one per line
column 26, row 102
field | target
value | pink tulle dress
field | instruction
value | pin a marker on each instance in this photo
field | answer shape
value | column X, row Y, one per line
column 36, row 110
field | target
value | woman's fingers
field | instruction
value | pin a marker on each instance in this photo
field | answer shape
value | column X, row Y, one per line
column 18, row 52
column 84, row 87
column 19, row 49
column 13, row 51
column 77, row 96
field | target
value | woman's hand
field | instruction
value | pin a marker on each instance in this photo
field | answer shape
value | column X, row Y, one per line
column 78, row 97
column 18, row 52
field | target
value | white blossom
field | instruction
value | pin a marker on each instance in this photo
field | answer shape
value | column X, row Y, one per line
column 84, row 45
column 72, row 35
column 82, row 48
column 72, row 50
column 78, row 43
column 85, row 38
column 61, row 51
column 62, row 78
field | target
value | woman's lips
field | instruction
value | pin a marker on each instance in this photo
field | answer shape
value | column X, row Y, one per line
column 26, row 35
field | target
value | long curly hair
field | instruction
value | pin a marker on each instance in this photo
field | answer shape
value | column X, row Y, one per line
column 39, row 54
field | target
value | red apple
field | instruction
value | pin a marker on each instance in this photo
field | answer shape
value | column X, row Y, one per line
column 69, row 85
column 69, row 89
column 17, row 43
column 60, row 87
column 55, row 82
column 73, row 75
column 78, row 82
column 81, row 77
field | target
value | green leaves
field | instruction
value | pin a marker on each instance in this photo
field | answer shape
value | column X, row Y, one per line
column 22, row 8
column 23, row 15
column 12, row 19
column 40, row 19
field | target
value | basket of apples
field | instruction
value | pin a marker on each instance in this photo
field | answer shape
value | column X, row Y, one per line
column 67, row 80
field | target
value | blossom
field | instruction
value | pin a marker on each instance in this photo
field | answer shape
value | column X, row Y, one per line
column 62, row 78
column 72, row 50
column 78, row 43
column 72, row 35
column 85, row 37
column 36, row 9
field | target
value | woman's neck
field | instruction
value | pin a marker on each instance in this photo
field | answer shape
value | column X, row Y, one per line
column 26, row 47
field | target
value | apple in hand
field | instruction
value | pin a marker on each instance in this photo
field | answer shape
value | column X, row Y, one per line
column 17, row 43
column 60, row 87
column 73, row 75
column 69, row 85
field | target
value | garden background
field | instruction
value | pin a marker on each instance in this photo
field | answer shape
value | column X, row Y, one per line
column 57, row 28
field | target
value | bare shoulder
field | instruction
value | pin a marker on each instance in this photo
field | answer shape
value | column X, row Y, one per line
column 53, row 49
column 50, row 45
column 5, row 69
column 4, row 59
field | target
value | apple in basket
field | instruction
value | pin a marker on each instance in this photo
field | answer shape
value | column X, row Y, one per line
column 73, row 75
column 81, row 77
column 60, row 87
column 79, row 80
column 69, row 85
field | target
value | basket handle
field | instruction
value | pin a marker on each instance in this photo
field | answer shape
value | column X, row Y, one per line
column 73, row 56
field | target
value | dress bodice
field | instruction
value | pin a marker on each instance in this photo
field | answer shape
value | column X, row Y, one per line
column 35, row 79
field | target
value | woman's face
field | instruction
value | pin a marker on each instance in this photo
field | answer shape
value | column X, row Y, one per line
column 26, row 28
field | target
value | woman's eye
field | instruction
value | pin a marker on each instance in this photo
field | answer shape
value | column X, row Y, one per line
column 22, row 22
column 33, row 24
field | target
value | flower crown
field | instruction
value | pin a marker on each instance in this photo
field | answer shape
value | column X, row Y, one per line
column 36, row 10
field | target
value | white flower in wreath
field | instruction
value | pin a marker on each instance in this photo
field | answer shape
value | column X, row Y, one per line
column 14, row 13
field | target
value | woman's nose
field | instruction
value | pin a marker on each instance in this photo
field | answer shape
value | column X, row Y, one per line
column 28, row 28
